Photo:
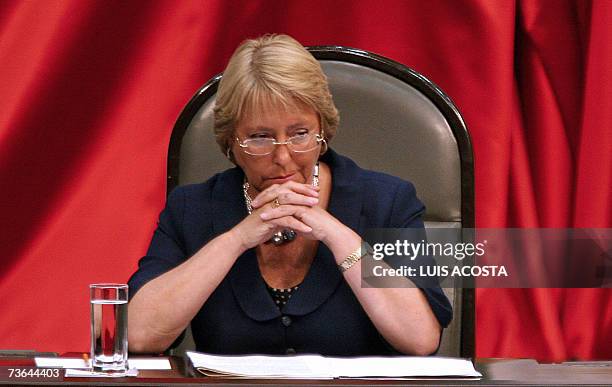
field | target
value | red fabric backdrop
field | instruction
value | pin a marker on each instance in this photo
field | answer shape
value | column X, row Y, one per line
column 90, row 91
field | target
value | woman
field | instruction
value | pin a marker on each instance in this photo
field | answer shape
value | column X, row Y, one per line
column 263, row 258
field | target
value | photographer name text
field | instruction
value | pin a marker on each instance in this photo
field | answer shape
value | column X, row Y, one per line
column 441, row 271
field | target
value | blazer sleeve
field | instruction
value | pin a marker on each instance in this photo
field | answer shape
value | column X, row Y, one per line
column 166, row 250
column 407, row 212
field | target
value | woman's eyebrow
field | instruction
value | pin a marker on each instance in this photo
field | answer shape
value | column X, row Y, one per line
column 297, row 125
column 259, row 128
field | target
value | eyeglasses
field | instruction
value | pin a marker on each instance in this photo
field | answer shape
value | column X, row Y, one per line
column 300, row 143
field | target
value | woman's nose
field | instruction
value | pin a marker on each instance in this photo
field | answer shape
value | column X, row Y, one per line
column 281, row 154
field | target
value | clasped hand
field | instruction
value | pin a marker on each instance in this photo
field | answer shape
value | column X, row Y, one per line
column 289, row 205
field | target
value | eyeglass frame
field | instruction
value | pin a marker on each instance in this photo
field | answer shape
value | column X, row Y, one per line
column 320, row 137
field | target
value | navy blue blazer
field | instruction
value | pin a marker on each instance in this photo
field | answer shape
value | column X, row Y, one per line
column 323, row 316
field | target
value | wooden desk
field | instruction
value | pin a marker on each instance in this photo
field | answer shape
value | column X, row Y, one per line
column 495, row 372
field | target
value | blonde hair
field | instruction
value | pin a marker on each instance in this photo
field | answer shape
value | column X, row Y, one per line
column 272, row 70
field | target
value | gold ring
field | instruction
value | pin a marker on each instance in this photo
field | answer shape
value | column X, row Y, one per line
column 276, row 203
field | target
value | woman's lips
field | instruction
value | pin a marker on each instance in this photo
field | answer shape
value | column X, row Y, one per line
column 282, row 178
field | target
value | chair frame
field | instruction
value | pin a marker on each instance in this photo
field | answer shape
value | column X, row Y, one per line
column 442, row 101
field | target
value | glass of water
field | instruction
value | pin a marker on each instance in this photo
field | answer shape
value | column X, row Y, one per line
column 109, row 341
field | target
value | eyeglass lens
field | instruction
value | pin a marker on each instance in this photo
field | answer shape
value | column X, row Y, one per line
column 264, row 146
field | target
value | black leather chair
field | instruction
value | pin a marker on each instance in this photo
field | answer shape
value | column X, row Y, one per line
column 393, row 120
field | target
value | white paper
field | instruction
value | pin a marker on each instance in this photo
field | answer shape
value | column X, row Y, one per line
column 70, row 373
column 258, row 366
column 152, row 363
column 61, row 362
column 405, row 366
column 319, row 367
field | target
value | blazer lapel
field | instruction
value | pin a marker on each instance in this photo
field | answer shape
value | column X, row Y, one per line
column 250, row 289
column 245, row 278
column 345, row 205
column 323, row 277
column 228, row 201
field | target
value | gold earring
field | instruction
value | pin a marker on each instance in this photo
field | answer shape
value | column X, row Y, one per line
column 323, row 150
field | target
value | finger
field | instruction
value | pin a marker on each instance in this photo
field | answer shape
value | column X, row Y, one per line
column 296, row 199
column 292, row 223
column 265, row 196
column 292, row 186
column 282, row 211
column 302, row 188
column 295, row 185
column 273, row 192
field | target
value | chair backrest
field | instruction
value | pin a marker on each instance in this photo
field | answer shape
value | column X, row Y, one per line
column 393, row 120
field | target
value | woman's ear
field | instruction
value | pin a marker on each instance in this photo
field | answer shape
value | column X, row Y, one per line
column 229, row 153
column 324, row 147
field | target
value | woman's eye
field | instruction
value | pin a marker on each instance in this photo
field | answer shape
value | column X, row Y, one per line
column 259, row 135
column 301, row 133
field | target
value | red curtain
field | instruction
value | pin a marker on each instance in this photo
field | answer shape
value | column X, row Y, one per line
column 90, row 91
